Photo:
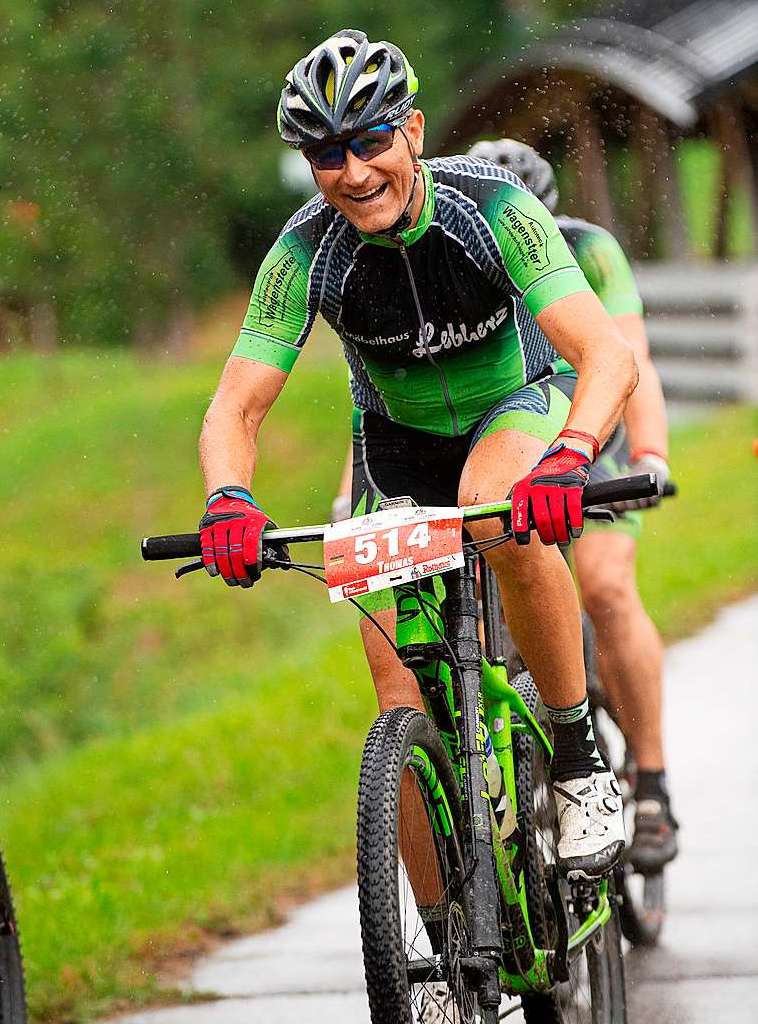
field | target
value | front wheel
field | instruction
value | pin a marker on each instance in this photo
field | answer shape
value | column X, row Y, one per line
column 12, row 998
column 410, row 876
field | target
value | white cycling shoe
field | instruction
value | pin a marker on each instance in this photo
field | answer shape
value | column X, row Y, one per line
column 591, row 820
column 437, row 1005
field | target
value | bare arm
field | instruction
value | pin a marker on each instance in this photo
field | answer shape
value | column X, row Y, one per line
column 645, row 415
column 579, row 328
column 228, row 440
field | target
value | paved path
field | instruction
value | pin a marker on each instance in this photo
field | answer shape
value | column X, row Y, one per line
column 706, row 969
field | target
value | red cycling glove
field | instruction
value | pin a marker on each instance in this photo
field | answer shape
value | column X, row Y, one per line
column 230, row 536
column 552, row 494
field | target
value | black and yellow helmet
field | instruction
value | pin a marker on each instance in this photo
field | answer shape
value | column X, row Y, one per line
column 535, row 172
column 345, row 85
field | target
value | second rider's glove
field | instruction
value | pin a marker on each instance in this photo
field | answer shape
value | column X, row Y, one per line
column 550, row 497
column 642, row 461
column 231, row 536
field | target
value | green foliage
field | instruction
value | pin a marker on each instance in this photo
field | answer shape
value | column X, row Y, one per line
column 145, row 132
column 699, row 169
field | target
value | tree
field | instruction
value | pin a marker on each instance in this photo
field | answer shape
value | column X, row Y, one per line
column 145, row 133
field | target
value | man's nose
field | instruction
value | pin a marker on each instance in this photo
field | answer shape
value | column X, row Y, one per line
column 356, row 172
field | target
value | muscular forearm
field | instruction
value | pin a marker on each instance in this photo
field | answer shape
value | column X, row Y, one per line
column 602, row 389
column 645, row 415
column 245, row 394
column 227, row 447
column 583, row 333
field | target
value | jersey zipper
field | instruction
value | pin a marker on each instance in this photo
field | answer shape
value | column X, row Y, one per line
column 424, row 341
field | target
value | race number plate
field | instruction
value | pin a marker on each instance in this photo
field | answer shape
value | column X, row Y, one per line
column 391, row 546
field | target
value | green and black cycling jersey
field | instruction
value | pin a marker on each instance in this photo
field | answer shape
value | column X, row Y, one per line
column 438, row 327
column 603, row 263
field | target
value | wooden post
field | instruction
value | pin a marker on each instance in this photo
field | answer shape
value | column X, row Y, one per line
column 646, row 125
column 592, row 174
column 728, row 127
column 669, row 213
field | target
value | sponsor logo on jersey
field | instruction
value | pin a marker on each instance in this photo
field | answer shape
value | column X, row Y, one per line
column 450, row 336
column 377, row 339
column 274, row 289
column 526, row 233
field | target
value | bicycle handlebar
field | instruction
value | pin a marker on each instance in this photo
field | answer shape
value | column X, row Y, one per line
column 629, row 488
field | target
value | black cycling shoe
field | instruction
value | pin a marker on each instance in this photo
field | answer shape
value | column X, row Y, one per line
column 654, row 843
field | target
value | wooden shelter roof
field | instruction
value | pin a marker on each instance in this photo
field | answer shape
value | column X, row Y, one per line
column 673, row 57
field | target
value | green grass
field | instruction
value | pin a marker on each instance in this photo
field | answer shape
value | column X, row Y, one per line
column 99, row 451
column 700, row 549
column 176, row 756
column 127, row 847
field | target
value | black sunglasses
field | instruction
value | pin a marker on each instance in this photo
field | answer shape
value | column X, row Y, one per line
column 331, row 156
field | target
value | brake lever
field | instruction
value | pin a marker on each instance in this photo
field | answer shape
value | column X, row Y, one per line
column 272, row 559
column 600, row 514
column 188, row 567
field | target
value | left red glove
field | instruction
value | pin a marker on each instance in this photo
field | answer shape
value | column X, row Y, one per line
column 231, row 534
column 552, row 495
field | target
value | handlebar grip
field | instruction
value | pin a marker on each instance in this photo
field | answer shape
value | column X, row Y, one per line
column 627, row 488
column 177, row 545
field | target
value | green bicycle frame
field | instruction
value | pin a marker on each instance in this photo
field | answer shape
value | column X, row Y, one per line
column 421, row 643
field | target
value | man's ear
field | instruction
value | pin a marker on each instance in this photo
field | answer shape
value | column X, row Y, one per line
column 414, row 129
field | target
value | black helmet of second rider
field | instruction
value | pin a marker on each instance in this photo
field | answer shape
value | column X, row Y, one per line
column 345, row 85
column 535, row 172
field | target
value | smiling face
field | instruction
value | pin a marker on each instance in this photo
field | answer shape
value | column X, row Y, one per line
column 373, row 194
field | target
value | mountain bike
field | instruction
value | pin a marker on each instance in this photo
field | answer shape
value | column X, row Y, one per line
column 12, row 994
column 460, row 896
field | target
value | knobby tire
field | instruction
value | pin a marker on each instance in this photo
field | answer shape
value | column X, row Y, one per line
column 382, row 885
column 12, row 996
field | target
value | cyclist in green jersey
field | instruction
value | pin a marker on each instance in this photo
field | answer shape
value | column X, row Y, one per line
column 481, row 363
column 630, row 653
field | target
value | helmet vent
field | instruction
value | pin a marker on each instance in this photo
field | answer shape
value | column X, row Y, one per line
column 346, row 84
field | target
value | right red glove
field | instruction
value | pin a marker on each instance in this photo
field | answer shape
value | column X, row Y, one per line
column 551, row 495
column 230, row 536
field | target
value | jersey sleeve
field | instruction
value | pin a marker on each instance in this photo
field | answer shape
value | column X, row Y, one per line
column 535, row 255
column 608, row 272
column 278, row 318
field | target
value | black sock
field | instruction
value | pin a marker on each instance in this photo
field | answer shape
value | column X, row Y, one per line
column 651, row 786
column 575, row 751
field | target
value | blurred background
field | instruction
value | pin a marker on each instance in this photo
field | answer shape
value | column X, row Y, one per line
column 151, row 798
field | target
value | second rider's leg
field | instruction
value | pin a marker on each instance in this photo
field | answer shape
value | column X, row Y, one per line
column 630, row 664
column 630, row 653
